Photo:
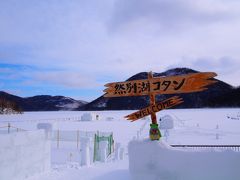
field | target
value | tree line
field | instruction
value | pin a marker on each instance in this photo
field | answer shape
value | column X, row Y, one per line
column 9, row 107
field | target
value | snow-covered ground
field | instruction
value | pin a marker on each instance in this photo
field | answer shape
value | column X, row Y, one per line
column 191, row 126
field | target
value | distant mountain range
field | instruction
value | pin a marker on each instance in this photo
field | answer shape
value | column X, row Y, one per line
column 218, row 95
column 43, row 102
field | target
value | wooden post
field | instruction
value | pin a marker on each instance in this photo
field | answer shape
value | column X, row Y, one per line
column 152, row 100
column 58, row 138
column 77, row 138
column 154, row 130
column 9, row 126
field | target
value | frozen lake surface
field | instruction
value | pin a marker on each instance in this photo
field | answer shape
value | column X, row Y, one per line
column 191, row 126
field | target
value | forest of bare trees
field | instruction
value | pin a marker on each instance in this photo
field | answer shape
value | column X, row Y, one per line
column 9, row 107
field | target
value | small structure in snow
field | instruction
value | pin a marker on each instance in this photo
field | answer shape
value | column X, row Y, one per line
column 47, row 128
column 87, row 117
column 166, row 122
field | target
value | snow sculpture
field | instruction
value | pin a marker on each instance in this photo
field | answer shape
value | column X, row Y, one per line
column 166, row 122
column 85, row 152
column 47, row 127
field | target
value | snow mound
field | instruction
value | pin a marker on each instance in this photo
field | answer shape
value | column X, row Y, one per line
column 155, row 160
column 166, row 122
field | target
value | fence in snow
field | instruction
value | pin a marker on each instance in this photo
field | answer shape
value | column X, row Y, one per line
column 9, row 129
column 60, row 119
column 230, row 147
column 89, row 146
column 61, row 136
column 106, row 143
column 74, row 145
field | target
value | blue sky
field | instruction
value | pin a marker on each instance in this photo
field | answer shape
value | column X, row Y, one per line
column 74, row 47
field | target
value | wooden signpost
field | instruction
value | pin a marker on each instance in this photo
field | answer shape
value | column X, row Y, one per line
column 194, row 82
column 168, row 103
column 162, row 85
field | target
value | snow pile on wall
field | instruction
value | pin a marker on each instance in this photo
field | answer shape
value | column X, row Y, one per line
column 23, row 154
column 153, row 160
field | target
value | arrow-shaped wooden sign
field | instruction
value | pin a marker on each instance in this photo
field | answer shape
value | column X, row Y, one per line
column 188, row 83
column 194, row 82
column 168, row 103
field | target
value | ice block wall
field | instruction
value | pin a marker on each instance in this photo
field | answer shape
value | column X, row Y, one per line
column 24, row 154
column 156, row 160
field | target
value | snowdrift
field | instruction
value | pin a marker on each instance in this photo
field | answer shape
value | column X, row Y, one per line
column 153, row 160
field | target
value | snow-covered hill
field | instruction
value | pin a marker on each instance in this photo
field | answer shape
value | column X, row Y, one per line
column 44, row 102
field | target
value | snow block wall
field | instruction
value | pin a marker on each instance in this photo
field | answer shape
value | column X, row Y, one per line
column 23, row 154
column 155, row 160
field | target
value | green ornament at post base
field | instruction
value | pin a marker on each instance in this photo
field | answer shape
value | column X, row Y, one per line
column 154, row 132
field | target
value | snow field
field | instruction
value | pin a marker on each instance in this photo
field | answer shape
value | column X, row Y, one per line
column 203, row 127
column 109, row 121
column 191, row 126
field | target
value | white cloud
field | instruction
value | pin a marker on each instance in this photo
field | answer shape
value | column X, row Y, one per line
column 119, row 38
column 66, row 79
column 226, row 68
column 168, row 14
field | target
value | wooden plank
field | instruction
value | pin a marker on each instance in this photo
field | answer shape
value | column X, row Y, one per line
column 168, row 103
column 152, row 101
column 128, row 88
column 194, row 82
